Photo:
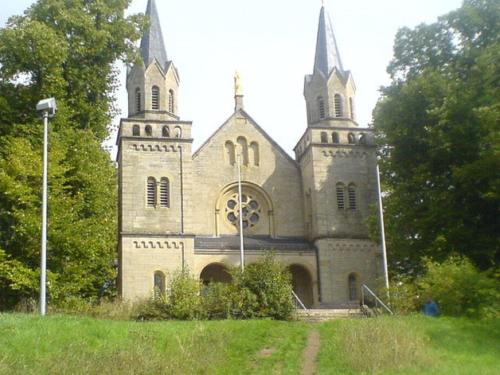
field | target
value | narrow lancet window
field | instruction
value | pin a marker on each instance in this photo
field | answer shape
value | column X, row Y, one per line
column 148, row 130
column 339, row 112
column 351, row 107
column 165, row 132
column 164, row 192
column 171, row 104
column 138, row 99
column 159, row 284
column 155, row 98
column 151, row 192
column 340, row 196
column 351, row 138
column 351, row 192
column 321, row 108
column 353, row 287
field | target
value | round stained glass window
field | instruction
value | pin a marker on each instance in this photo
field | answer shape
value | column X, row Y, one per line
column 250, row 210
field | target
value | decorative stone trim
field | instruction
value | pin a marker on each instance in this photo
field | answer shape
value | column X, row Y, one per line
column 345, row 154
column 157, row 244
column 153, row 148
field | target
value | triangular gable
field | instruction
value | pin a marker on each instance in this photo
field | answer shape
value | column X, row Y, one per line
column 256, row 126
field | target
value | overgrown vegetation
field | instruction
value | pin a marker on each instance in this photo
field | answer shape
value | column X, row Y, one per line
column 458, row 287
column 263, row 290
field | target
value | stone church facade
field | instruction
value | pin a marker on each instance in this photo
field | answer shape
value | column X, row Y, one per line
column 179, row 207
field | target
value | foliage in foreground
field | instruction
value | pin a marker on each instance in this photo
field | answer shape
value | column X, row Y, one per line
column 437, row 125
column 458, row 287
column 66, row 50
column 263, row 290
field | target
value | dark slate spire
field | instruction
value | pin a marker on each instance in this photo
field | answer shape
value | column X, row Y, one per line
column 327, row 52
column 152, row 45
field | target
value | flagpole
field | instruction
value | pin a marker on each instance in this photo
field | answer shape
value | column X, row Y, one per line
column 242, row 250
column 382, row 231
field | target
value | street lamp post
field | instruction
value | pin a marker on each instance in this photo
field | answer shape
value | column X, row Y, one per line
column 48, row 109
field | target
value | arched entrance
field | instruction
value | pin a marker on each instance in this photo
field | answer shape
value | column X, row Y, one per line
column 215, row 272
column 302, row 284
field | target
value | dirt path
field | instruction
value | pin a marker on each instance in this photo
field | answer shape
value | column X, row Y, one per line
column 310, row 352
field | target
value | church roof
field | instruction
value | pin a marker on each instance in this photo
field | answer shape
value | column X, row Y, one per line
column 252, row 243
column 152, row 45
column 327, row 53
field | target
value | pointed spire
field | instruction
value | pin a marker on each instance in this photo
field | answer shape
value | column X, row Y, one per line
column 152, row 45
column 327, row 53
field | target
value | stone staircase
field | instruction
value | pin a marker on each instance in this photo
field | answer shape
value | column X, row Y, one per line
column 321, row 315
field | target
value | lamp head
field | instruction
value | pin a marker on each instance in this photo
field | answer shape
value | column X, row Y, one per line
column 47, row 105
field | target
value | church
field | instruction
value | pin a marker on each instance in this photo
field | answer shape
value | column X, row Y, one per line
column 181, row 208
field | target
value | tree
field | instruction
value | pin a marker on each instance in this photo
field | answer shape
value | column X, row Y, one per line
column 66, row 49
column 437, row 126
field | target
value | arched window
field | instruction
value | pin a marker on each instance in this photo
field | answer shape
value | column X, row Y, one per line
column 362, row 139
column 171, row 104
column 353, row 287
column 164, row 192
column 178, row 132
column 254, row 151
column 148, row 130
column 324, row 137
column 339, row 112
column 155, row 98
column 136, row 131
column 340, row 196
column 351, row 192
column 151, row 192
column 335, row 137
column 351, row 107
column 159, row 284
column 230, row 152
column 165, row 132
column 321, row 107
column 243, row 150
column 351, row 138
column 138, row 99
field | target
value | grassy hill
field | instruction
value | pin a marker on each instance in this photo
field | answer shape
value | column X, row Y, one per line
column 404, row 345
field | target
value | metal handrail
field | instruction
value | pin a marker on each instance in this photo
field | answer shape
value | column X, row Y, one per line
column 363, row 287
column 299, row 301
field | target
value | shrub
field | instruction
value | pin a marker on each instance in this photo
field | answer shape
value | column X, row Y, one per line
column 184, row 300
column 218, row 300
column 265, row 290
column 460, row 289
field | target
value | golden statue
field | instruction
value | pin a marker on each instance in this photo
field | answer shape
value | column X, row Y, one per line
column 238, row 90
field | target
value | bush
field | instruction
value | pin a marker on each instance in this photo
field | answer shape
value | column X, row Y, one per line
column 460, row 289
column 184, row 300
column 264, row 290
column 218, row 300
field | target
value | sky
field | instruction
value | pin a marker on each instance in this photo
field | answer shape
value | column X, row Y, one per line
column 271, row 43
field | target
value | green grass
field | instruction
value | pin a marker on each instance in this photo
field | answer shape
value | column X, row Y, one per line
column 83, row 345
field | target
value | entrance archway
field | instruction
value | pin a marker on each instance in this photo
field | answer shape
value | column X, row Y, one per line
column 302, row 284
column 215, row 272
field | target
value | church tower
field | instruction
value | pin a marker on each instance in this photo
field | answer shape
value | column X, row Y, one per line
column 338, row 164
column 154, row 165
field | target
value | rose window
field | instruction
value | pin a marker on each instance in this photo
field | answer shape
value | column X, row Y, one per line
column 250, row 210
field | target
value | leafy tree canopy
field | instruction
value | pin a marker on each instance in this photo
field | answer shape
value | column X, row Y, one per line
column 64, row 49
column 438, row 129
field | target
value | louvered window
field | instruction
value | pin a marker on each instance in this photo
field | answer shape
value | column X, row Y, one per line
column 164, row 192
column 171, row 104
column 339, row 112
column 138, row 100
column 151, row 192
column 351, row 191
column 340, row 196
column 321, row 108
column 155, row 98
